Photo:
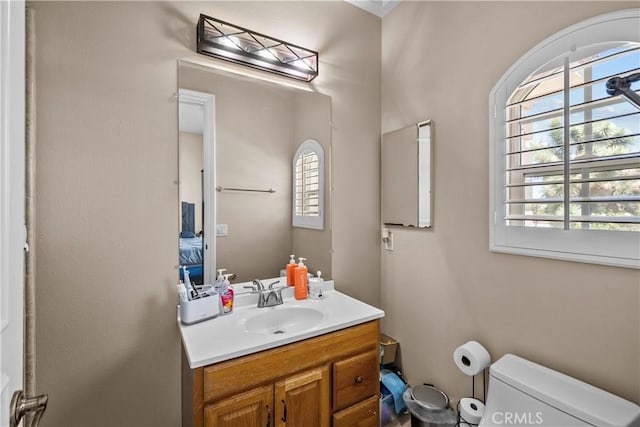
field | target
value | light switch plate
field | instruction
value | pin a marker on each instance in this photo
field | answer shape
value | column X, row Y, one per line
column 222, row 230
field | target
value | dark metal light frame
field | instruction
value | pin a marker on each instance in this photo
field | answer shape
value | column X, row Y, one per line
column 236, row 44
column 622, row 86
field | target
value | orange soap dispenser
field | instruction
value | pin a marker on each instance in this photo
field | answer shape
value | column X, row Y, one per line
column 291, row 267
column 300, row 280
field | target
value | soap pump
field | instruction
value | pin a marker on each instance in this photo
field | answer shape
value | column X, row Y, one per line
column 291, row 270
column 316, row 285
column 220, row 277
column 226, row 296
column 225, row 292
column 300, row 280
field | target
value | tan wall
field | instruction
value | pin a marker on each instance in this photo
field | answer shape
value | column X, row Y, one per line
column 191, row 163
column 443, row 287
column 108, row 349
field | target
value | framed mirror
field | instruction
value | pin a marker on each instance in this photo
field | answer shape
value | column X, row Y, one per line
column 407, row 176
column 257, row 127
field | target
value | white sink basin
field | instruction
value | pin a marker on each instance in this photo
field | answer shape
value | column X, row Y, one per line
column 249, row 329
column 283, row 320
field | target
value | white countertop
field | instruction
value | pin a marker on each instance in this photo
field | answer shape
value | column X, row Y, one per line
column 225, row 337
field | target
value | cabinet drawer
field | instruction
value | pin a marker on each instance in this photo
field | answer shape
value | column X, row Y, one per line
column 355, row 379
column 364, row 414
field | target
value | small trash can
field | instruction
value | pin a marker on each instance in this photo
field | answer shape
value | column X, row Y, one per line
column 429, row 407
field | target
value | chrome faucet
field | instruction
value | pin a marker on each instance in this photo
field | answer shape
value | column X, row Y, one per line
column 268, row 297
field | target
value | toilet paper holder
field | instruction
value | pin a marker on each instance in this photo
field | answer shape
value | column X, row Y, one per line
column 472, row 359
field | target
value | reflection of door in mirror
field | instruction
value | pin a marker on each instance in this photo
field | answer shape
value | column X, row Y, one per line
column 192, row 176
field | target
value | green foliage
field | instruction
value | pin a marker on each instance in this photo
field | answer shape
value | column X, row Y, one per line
column 609, row 141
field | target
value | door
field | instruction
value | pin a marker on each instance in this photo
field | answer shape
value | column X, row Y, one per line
column 12, row 231
column 253, row 408
column 303, row 400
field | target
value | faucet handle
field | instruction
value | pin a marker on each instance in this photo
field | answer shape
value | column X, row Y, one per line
column 256, row 287
column 258, row 284
column 277, row 282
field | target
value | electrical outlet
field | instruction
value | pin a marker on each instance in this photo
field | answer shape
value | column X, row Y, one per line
column 387, row 239
column 222, row 230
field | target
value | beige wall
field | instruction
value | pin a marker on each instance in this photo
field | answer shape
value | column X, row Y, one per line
column 108, row 349
column 191, row 162
column 443, row 287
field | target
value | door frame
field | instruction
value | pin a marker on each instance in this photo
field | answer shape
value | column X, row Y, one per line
column 12, row 193
column 207, row 103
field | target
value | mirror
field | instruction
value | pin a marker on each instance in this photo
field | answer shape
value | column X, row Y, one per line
column 407, row 176
column 256, row 128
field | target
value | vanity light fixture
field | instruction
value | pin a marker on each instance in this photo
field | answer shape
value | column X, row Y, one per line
column 236, row 44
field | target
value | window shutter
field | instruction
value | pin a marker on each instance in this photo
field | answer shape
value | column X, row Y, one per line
column 572, row 153
column 307, row 184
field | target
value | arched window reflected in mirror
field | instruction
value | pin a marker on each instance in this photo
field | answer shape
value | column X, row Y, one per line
column 308, row 186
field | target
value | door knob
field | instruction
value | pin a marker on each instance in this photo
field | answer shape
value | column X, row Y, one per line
column 21, row 405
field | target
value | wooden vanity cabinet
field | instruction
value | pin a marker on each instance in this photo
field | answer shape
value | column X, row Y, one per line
column 329, row 380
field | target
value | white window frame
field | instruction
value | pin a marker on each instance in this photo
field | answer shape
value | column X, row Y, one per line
column 302, row 221
column 615, row 248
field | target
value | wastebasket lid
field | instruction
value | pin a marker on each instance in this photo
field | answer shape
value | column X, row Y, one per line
column 430, row 397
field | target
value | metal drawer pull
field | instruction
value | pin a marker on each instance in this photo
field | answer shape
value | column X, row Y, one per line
column 284, row 414
column 359, row 379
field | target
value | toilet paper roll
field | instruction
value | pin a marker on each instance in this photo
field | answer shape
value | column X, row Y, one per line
column 471, row 410
column 471, row 358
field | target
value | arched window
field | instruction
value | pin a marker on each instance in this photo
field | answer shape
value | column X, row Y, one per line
column 565, row 155
column 308, row 186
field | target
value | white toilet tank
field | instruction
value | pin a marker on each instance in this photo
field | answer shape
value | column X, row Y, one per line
column 525, row 393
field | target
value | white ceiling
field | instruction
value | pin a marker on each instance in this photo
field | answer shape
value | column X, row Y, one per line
column 377, row 7
column 190, row 118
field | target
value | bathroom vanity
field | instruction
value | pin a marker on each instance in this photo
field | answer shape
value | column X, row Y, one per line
column 235, row 373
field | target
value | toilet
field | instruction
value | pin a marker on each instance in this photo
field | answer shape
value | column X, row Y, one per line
column 523, row 393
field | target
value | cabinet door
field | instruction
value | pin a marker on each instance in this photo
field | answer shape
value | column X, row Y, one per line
column 303, row 400
column 250, row 409
column 363, row 414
